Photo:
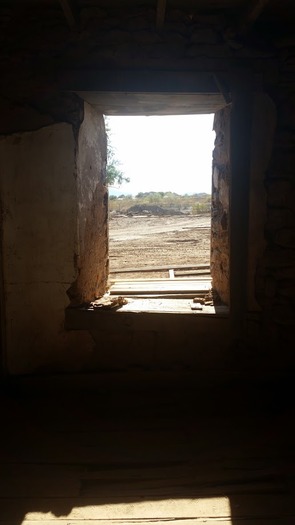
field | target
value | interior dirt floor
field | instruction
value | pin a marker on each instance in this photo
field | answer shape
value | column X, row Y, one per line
column 138, row 241
column 93, row 457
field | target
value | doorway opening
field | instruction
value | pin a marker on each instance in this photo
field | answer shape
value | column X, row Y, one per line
column 160, row 205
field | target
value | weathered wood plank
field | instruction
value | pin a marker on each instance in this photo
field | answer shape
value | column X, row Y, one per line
column 192, row 272
column 161, row 268
column 202, row 325
column 124, row 288
column 199, row 278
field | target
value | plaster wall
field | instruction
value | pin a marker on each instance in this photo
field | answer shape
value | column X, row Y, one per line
column 39, row 212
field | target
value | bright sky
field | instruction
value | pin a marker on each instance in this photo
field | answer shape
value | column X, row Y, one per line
column 164, row 153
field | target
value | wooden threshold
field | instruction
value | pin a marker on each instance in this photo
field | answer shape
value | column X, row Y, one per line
column 161, row 286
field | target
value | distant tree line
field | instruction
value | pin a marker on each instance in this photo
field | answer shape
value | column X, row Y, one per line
column 191, row 204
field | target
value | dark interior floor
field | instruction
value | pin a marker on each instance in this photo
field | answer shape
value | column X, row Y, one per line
column 90, row 456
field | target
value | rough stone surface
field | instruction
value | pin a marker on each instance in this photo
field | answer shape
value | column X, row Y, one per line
column 38, row 51
column 220, row 206
column 278, row 262
column 92, row 253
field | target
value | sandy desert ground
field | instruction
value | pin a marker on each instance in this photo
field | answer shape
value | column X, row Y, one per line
column 139, row 241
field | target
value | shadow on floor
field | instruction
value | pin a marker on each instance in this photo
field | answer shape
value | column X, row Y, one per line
column 90, row 456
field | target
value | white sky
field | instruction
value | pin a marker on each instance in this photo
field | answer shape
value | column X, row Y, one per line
column 164, row 153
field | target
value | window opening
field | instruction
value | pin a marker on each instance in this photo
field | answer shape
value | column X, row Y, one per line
column 160, row 177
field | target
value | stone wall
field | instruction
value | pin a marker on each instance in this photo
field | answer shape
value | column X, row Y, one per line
column 275, row 278
column 42, row 190
column 264, row 121
column 220, row 206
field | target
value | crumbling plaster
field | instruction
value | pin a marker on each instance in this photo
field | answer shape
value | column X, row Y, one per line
column 49, row 211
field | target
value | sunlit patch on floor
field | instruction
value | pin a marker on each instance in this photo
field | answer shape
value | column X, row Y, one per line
column 202, row 510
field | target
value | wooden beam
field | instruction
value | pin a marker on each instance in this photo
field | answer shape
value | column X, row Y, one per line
column 70, row 14
column 160, row 16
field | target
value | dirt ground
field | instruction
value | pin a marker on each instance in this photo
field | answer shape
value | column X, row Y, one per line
column 137, row 242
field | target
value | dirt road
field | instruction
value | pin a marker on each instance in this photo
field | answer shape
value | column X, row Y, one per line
column 157, row 241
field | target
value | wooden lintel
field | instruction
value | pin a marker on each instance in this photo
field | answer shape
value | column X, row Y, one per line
column 160, row 16
column 70, row 14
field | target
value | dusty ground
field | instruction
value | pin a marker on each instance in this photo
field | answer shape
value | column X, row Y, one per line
column 157, row 241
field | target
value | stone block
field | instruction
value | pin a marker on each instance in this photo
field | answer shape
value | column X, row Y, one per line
column 220, row 156
column 224, row 221
column 215, row 177
column 285, row 238
column 224, row 193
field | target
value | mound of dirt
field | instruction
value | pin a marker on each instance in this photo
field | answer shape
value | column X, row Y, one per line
column 151, row 209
